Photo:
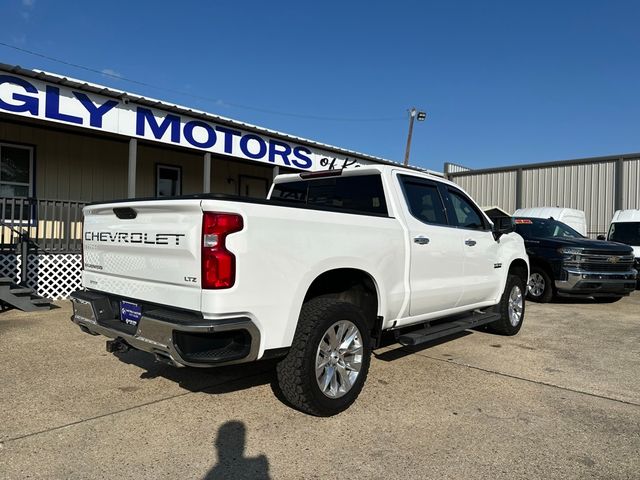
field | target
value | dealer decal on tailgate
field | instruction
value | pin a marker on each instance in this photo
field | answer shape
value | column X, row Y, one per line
column 130, row 313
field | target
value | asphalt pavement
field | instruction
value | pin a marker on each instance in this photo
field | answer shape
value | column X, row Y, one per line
column 559, row 400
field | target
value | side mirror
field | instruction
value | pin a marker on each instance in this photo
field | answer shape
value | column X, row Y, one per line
column 601, row 237
column 503, row 226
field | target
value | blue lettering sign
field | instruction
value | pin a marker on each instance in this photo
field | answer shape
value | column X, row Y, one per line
column 96, row 112
column 228, row 137
column 27, row 103
column 244, row 146
column 173, row 121
column 302, row 159
column 281, row 149
column 188, row 134
column 52, row 107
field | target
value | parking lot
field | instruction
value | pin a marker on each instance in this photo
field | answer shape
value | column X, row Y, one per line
column 560, row 400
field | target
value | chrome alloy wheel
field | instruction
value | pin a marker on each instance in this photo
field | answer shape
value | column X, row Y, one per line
column 339, row 359
column 516, row 305
column 536, row 284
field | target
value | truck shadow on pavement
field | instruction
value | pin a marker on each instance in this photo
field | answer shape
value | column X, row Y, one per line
column 399, row 351
column 577, row 301
column 232, row 464
column 216, row 380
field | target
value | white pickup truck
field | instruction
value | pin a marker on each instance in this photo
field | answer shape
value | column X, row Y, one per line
column 313, row 275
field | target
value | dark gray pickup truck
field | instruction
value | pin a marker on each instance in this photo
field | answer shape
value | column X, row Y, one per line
column 563, row 262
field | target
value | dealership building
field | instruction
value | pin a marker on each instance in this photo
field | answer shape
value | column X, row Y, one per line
column 65, row 143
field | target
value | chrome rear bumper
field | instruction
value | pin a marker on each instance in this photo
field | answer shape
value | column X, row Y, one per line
column 173, row 337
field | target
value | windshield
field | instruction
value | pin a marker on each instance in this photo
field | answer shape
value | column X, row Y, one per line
column 627, row 232
column 544, row 228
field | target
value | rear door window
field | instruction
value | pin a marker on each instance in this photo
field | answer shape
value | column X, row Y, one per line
column 423, row 200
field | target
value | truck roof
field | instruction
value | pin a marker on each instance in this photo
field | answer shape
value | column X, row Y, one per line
column 364, row 170
column 626, row 216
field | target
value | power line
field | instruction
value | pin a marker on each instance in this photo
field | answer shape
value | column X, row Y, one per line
column 199, row 97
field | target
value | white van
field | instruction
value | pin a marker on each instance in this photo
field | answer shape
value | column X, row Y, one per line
column 576, row 219
column 625, row 228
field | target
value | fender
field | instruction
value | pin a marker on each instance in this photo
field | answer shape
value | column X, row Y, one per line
column 326, row 266
column 510, row 251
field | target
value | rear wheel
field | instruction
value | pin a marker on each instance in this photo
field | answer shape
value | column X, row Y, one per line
column 539, row 288
column 328, row 362
column 511, row 308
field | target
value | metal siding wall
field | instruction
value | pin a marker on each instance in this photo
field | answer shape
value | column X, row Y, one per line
column 631, row 184
column 489, row 189
column 453, row 168
column 588, row 187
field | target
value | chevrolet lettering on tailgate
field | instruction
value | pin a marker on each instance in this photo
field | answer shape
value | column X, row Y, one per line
column 134, row 237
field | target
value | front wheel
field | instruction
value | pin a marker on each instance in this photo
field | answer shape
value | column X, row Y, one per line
column 511, row 308
column 539, row 288
column 328, row 362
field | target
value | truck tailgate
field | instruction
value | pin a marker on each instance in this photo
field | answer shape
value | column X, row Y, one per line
column 145, row 250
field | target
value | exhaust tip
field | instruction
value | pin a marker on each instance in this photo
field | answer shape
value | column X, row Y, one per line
column 117, row 346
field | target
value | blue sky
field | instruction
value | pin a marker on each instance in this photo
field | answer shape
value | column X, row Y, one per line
column 503, row 82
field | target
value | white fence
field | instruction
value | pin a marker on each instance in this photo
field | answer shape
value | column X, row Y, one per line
column 50, row 275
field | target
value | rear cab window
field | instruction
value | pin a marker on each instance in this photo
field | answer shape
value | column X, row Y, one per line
column 360, row 194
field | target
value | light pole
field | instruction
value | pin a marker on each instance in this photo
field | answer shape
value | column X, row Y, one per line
column 413, row 114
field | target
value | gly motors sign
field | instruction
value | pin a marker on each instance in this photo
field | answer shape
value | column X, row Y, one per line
column 37, row 99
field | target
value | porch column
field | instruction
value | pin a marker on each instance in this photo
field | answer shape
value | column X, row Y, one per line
column 206, row 181
column 133, row 158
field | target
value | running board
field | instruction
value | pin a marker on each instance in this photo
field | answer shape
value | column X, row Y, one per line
column 440, row 330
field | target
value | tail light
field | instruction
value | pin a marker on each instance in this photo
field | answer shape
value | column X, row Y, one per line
column 218, row 263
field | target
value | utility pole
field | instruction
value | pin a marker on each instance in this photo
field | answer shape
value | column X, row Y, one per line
column 413, row 114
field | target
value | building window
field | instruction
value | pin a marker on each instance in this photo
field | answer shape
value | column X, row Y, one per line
column 168, row 181
column 255, row 187
column 16, row 171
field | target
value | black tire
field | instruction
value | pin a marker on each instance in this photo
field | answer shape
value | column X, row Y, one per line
column 296, row 372
column 504, row 326
column 607, row 299
column 546, row 294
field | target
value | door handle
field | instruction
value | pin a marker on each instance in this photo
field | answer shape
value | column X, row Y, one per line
column 421, row 240
column 470, row 242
